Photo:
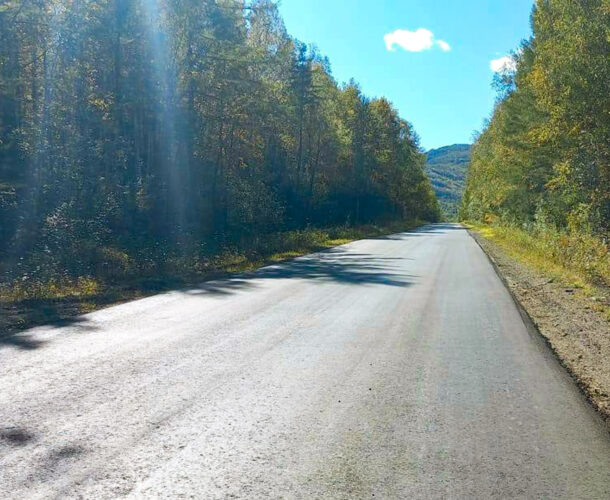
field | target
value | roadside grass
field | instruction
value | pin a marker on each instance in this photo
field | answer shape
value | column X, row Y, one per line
column 28, row 301
column 576, row 261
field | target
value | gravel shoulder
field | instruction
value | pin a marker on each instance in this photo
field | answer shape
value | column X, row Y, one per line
column 578, row 334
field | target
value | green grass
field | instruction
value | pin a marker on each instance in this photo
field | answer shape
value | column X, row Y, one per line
column 574, row 260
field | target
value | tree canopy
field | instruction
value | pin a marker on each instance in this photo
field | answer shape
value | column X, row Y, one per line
column 545, row 155
column 140, row 124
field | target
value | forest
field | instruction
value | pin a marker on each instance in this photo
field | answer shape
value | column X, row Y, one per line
column 137, row 132
column 542, row 164
column 446, row 168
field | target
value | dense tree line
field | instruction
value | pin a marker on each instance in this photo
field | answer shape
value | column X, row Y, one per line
column 140, row 125
column 544, row 157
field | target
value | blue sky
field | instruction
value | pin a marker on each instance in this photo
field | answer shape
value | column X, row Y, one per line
column 439, row 77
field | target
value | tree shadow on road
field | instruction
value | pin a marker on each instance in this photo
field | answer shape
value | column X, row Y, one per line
column 15, row 436
column 440, row 228
column 53, row 315
column 334, row 265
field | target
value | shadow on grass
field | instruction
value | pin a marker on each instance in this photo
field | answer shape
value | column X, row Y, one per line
column 334, row 265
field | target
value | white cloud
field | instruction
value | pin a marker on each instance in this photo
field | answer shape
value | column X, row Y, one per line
column 445, row 47
column 504, row 64
column 414, row 41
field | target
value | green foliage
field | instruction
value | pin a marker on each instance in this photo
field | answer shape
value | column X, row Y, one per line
column 447, row 168
column 545, row 156
column 575, row 259
column 136, row 134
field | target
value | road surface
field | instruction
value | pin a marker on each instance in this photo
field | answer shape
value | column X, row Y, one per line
column 395, row 367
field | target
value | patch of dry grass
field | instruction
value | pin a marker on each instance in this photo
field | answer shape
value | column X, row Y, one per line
column 575, row 260
column 33, row 289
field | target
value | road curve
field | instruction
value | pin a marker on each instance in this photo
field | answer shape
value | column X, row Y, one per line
column 395, row 367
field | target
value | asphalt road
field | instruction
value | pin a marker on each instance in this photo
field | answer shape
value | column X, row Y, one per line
column 396, row 367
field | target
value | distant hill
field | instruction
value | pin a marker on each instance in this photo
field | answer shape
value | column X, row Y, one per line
column 447, row 168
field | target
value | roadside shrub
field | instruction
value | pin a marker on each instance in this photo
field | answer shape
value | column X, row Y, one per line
column 582, row 253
